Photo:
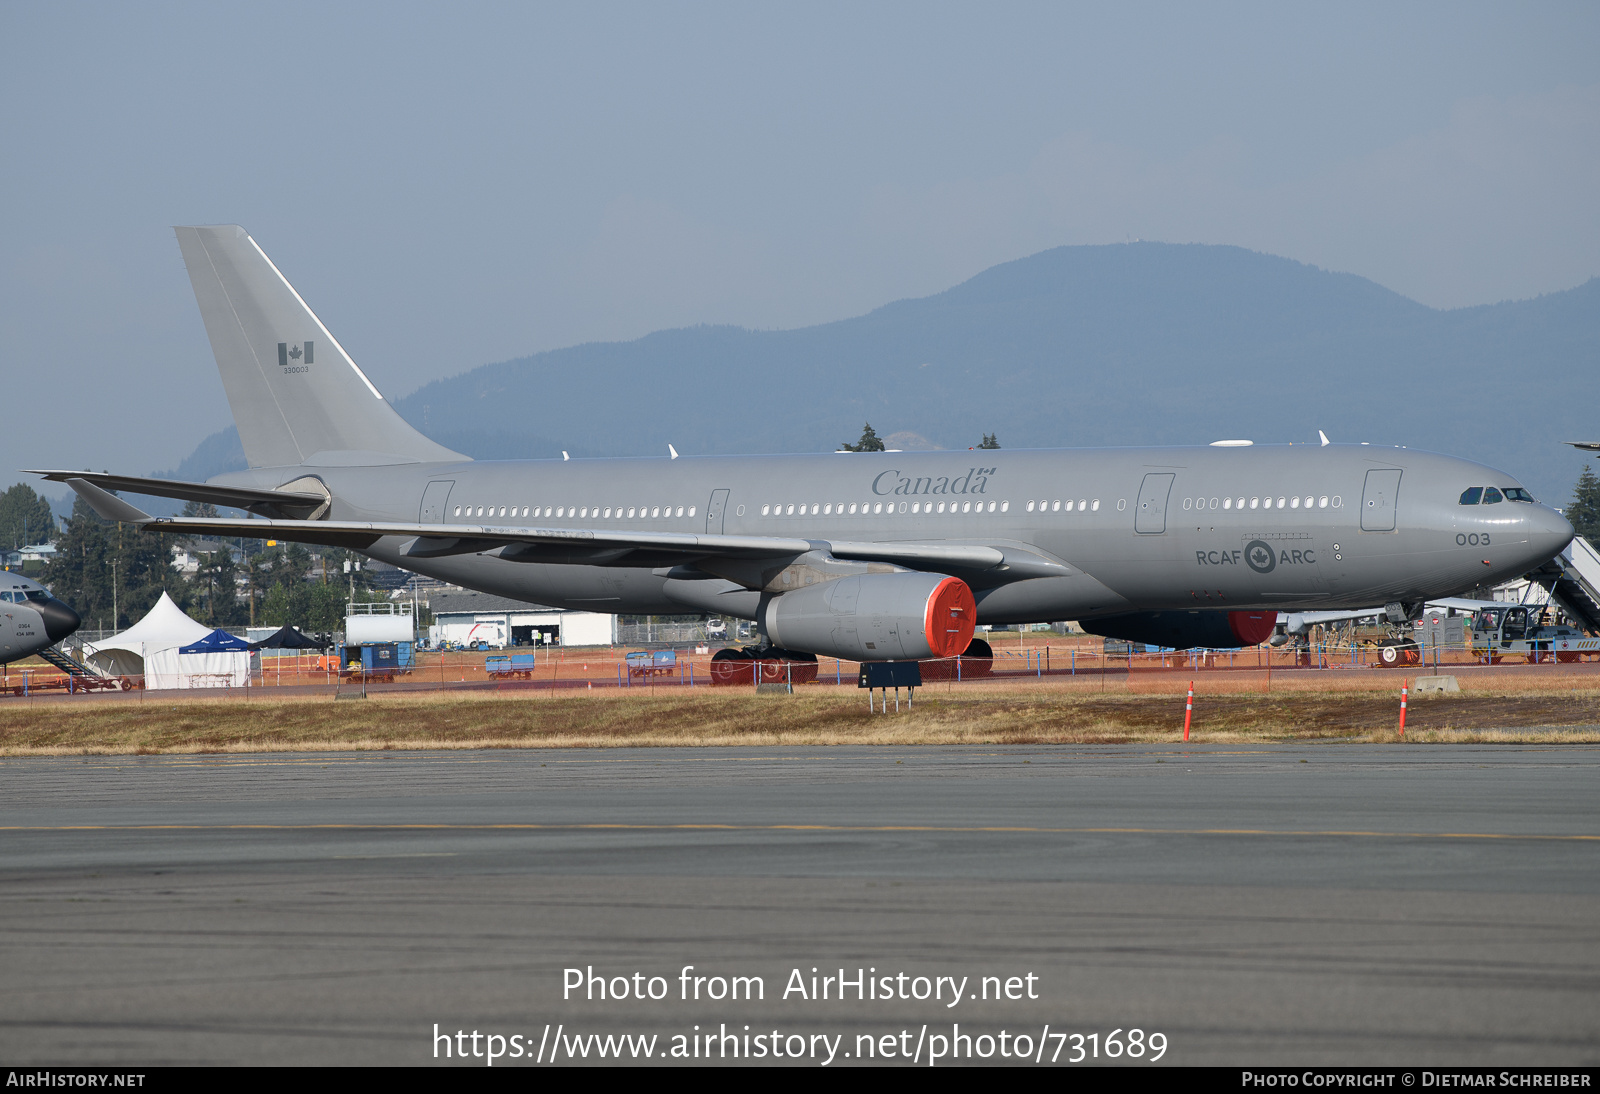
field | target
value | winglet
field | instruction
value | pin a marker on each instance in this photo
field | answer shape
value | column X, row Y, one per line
column 107, row 504
column 1324, row 436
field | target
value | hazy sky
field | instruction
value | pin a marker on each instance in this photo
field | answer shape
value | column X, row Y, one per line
column 453, row 185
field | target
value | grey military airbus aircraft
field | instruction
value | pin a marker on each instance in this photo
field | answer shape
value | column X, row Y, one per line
column 30, row 618
column 880, row 556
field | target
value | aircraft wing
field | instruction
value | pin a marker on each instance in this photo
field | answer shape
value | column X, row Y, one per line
column 595, row 547
column 291, row 502
column 1462, row 604
column 1301, row 622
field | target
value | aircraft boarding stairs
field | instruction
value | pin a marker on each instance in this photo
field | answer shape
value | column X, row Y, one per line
column 1572, row 580
column 69, row 665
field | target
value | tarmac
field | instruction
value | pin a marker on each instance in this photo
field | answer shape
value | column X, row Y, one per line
column 1298, row 904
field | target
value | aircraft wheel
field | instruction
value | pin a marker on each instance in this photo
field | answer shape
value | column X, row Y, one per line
column 943, row 669
column 1569, row 657
column 780, row 670
column 1412, row 653
column 1495, row 659
column 730, row 667
column 977, row 659
column 785, row 667
column 1389, row 655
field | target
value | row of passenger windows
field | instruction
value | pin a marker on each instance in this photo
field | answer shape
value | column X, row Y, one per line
column 1057, row 506
column 874, row 508
column 632, row 512
column 643, row 512
column 1488, row 495
column 1310, row 501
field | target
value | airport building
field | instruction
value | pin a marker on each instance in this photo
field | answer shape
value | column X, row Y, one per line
column 466, row 618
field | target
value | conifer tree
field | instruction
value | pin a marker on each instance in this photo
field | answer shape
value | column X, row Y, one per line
column 25, row 518
column 102, row 565
column 1584, row 512
column 869, row 442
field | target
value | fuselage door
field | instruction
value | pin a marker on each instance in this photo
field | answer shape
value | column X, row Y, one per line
column 433, row 499
column 714, row 512
column 1378, row 500
column 1150, row 519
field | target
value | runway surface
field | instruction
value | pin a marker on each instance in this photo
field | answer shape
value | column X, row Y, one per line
column 1297, row 904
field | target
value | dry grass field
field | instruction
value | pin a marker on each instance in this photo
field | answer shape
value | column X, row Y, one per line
column 1556, row 708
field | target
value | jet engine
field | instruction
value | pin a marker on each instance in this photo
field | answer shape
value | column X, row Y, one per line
column 1185, row 630
column 875, row 617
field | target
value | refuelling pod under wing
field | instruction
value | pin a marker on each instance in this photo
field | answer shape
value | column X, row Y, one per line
column 1187, row 630
column 875, row 617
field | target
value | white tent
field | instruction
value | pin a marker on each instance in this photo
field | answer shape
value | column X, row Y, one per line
column 149, row 648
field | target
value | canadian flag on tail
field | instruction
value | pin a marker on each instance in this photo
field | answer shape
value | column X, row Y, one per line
column 293, row 351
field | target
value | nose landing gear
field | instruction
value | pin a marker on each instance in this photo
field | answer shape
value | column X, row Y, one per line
column 1393, row 652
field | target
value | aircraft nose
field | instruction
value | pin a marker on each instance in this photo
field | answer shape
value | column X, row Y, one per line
column 1548, row 532
column 59, row 620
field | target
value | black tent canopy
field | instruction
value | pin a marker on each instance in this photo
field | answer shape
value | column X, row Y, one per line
column 287, row 638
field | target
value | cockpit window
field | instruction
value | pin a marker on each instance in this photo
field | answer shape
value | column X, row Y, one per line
column 34, row 594
column 1491, row 496
column 1517, row 493
column 1472, row 496
column 5, row 597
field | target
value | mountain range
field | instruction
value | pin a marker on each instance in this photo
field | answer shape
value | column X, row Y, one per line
column 1142, row 343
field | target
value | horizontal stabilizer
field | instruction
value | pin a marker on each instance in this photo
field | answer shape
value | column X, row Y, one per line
column 106, row 504
column 287, row 503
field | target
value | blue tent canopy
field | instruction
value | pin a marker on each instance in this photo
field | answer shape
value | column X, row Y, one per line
column 218, row 641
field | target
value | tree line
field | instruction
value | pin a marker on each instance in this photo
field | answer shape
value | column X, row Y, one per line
column 871, row 442
column 25, row 518
column 113, row 573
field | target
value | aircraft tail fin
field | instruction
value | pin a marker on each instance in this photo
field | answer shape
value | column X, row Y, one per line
column 296, row 396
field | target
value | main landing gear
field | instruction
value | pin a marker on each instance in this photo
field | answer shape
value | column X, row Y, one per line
column 977, row 660
column 762, row 665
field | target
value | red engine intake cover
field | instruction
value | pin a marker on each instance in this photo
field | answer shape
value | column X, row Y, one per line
column 952, row 617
